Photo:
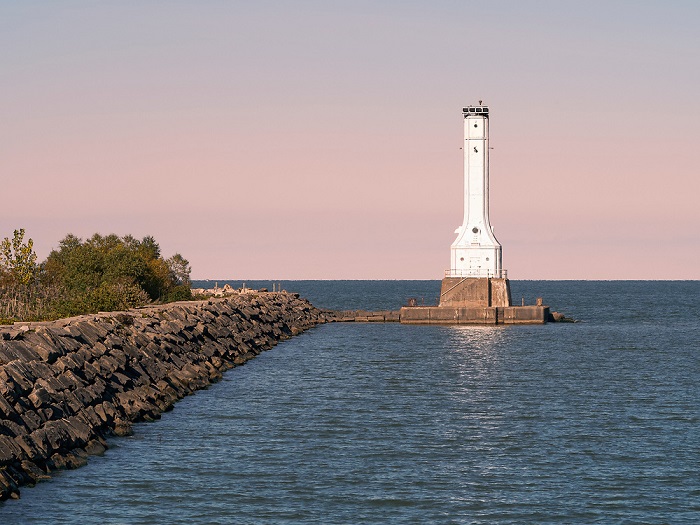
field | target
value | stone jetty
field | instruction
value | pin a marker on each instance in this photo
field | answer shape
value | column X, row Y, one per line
column 67, row 385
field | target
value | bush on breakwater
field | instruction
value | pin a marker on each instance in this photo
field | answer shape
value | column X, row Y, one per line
column 66, row 385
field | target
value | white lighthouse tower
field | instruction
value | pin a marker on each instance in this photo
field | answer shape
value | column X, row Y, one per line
column 476, row 276
column 476, row 252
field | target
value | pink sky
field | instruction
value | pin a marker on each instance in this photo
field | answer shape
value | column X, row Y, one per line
column 320, row 140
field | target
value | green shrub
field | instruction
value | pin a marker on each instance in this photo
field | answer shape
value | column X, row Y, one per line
column 102, row 273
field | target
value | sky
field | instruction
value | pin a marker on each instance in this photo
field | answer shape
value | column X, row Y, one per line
column 321, row 139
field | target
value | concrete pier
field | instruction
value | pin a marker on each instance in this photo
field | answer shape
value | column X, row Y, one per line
column 447, row 315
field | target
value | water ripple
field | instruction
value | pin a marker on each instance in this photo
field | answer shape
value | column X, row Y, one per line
column 586, row 423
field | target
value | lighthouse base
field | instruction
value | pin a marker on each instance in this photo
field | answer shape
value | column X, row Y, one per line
column 475, row 300
column 474, row 292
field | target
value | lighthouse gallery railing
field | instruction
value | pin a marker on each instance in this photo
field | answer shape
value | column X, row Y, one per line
column 478, row 272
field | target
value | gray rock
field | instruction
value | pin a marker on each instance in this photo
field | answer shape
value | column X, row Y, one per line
column 74, row 381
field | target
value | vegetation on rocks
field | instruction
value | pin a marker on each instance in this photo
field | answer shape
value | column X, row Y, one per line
column 102, row 273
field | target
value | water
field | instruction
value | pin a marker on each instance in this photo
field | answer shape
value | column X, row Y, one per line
column 593, row 422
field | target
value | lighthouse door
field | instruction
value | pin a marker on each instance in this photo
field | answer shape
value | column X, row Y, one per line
column 474, row 265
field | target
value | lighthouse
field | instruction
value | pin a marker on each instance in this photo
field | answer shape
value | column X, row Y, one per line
column 475, row 289
column 476, row 276
column 476, row 252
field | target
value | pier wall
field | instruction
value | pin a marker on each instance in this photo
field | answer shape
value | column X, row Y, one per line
column 67, row 385
column 477, row 315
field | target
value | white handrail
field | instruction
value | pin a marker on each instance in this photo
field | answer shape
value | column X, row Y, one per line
column 477, row 272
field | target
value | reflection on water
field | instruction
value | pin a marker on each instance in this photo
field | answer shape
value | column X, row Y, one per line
column 476, row 352
column 476, row 338
column 475, row 369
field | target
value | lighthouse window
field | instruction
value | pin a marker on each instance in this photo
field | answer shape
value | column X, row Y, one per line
column 475, row 230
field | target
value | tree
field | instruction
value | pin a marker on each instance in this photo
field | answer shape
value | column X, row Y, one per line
column 17, row 258
column 180, row 270
column 18, row 277
column 108, row 272
column 179, row 275
column 149, row 248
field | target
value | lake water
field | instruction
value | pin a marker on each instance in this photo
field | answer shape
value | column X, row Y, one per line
column 592, row 422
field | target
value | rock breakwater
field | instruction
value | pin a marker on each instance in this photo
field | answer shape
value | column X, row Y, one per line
column 67, row 385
